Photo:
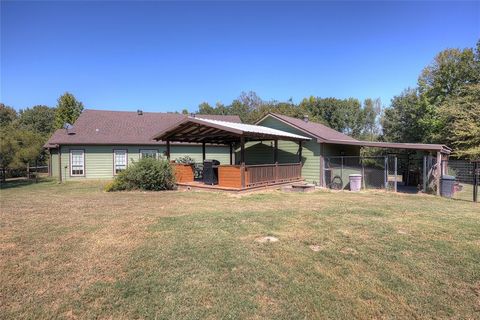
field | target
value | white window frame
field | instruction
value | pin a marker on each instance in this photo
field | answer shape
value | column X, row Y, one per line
column 142, row 151
column 115, row 160
column 72, row 165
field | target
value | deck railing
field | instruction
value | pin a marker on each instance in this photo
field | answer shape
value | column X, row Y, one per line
column 265, row 174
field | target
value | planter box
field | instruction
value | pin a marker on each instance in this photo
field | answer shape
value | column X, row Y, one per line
column 183, row 172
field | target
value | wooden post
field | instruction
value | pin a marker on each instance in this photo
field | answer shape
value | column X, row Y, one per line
column 203, row 151
column 231, row 154
column 300, row 151
column 425, row 174
column 364, row 184
column 439, row 171
column 275, row 151
column 168, row 150
column 59, row 164
column 242, row 161
column 395, row 186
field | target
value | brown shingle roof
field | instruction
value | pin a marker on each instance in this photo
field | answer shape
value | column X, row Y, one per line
column 317, row 130
column 121, row 127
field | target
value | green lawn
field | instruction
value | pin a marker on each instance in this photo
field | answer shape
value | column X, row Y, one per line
column 74, row 251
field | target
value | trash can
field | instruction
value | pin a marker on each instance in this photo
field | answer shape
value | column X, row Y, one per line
column 355, row 182
column 447, row 186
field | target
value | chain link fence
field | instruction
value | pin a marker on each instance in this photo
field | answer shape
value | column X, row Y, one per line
column 376, row 172
column 467, row 178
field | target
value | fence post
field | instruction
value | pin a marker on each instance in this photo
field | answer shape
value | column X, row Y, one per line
column 364, row 185
column 276, row 172
column 425, row 174
column 395, row 164
column 341, row 170
column 386, row 172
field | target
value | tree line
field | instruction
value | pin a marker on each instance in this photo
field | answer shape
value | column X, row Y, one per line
column 443, row 108
column 24, row 133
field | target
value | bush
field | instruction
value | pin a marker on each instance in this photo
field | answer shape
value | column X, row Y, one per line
column 185, row 160
column 145, row 174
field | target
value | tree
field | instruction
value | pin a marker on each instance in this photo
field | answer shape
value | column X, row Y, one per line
column 29, row 150
column 443, row 108
column 38, row 119
column 460, row 121
column 449, row 71
column 8, row 148
column 371, row 111
column 67, row 111
column 343, row 115
column 7, row 115
column 408, row 119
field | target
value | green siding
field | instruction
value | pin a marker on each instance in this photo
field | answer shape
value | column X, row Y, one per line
column 288, row 150
column 99, row 159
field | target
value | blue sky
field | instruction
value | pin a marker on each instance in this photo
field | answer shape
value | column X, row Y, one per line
column 166, row 56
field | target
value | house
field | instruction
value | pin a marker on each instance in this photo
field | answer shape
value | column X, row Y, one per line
column 102, row 143
column 281, row 149
column 277, row 149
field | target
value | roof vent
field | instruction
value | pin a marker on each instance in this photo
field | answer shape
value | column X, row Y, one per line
column 192, row 115
column 139, row 112
column 305, row 117
column 69, row 128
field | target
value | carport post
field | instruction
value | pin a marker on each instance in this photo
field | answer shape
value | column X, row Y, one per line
column 395, row 174
column 203, row 151
column 425, row 174
column 300, row 151
column 242, row 161
column 231, row 154
column 168, row 150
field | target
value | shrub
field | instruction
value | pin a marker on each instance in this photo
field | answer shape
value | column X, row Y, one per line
column 185, row 160
column 145, row 174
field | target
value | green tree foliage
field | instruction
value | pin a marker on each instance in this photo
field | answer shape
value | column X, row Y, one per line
column 408, row 119
column 8, row 148
column 345, row 115
column 7, row 115
column 459, row 116
column 39, row 119
column 68, row 110
column 442, row 107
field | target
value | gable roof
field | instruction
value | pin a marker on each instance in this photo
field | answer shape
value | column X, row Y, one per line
column 317, row 130
column 121, row 128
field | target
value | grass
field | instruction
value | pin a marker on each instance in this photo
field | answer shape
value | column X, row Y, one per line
column 74, row 251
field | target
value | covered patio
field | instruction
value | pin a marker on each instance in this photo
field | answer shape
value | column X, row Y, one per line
column 236, row 175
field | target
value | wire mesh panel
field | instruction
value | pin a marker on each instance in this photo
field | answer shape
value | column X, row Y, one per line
column 465, row 175
column 376, row 172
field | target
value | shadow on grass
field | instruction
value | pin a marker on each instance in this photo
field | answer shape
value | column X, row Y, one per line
column 21, row 182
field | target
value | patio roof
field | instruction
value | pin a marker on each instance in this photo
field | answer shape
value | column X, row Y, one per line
column 194, row 129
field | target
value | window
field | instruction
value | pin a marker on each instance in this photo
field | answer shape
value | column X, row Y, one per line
column 150, row 153
column 119, row 160
column 77, row 162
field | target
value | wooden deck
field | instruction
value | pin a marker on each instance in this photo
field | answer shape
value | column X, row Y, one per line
column 245, row 177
